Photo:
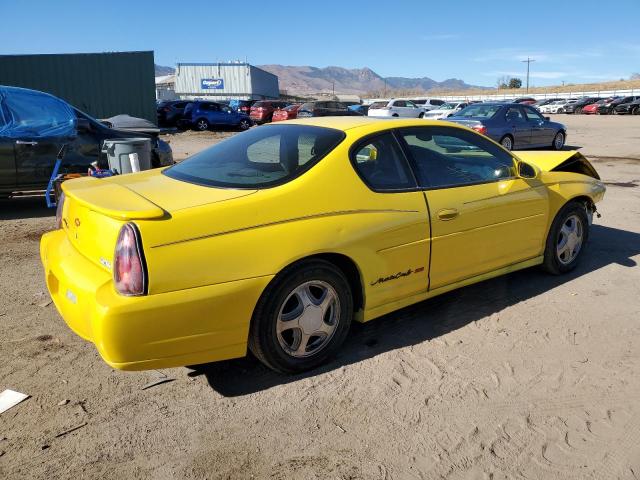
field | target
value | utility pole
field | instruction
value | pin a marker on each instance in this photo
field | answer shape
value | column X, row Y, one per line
column 385, row 87
column 333, row 89
column 528, row 62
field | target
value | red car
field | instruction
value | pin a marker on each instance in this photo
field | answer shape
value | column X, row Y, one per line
column 593, row 108
column 262, row 111
column 287, row 113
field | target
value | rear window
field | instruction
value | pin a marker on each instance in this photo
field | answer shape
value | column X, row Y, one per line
column 480, row 110
column 261, row 104
column 259, row 158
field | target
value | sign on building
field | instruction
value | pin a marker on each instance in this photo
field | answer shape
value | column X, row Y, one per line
column 212, row 83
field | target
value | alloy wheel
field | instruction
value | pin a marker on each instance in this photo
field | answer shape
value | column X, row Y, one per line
column 558, row 142
column 507, row 143
column 569, row 239
column 308, row 319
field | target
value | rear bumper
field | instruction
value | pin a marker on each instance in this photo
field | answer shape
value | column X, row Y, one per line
column 196, row 325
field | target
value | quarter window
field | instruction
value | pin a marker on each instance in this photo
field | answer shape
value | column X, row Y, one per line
column 532, row 114
column 448, row 157
column 381, row 164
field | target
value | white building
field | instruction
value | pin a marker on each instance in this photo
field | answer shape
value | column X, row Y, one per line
column 224, row 81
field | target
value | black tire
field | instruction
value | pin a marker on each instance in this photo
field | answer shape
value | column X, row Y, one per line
column 635, row 111
column 507, row 142
column 558, row 141
column 578, row 111
column 421, row 115
column 394, row 115
column 264, row 342
column 244, row 124
column 201, row 124
column 552, row 263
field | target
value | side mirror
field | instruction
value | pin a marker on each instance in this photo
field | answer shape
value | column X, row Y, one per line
column 526, row 170
column 83, row 125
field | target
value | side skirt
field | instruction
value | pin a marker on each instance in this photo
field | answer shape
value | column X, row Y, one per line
column 405, row 302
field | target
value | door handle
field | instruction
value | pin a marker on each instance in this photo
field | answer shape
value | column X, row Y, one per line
column 448, row 214
column 25, row 142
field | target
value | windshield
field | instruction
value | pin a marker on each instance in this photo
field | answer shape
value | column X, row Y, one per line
column 261, row 157
column 375, row 105
column 481, row 110
column 447, row 106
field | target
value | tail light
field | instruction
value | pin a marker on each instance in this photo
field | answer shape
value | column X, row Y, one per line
column 128, row 264
column 59, row 206
column 480, row 129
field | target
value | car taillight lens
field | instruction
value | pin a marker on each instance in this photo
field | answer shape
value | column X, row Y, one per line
column 480, row 129
column 128, row 264
column 59, row 206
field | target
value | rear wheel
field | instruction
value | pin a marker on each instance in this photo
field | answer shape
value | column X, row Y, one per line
column 578, row 110
column 202, row 125
column 635, row 111
column 567, row 237
column 394, row 115
column 421, row 115
column 302, row 317
column 507, row 142
column 244, row 124
column 558, row 141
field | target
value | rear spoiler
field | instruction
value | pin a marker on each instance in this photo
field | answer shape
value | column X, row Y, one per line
column 111, row 199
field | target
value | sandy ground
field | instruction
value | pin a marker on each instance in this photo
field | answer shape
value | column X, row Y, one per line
column 524, row 376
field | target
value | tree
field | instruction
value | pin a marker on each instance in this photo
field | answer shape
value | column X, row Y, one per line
column 515, row 83
column 502, row 82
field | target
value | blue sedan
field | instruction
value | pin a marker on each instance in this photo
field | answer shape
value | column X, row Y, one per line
column 513, row 125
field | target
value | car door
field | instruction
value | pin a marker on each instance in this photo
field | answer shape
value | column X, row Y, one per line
column 7, row 165
column 413, row 110
column 398, row 108
column 400, row 263
column 542, row 132
column 483, row 216
column 35, row 160
column 518, row 126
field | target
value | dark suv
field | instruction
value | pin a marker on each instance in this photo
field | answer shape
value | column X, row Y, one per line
column 203, row 115
column 169, row 112
column 27, row 165
column 326, row 109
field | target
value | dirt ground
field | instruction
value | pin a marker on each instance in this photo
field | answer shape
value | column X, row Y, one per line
column 525, row 376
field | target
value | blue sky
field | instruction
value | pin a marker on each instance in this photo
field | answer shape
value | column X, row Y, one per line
column 574, row 41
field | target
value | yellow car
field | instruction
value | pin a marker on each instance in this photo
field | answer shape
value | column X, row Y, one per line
column 277, row 238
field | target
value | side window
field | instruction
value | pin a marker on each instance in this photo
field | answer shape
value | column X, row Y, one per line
column 411, row 104
column 451, row 157
column 533, row 114
column 514, row 114
column 399, row 103
column 437, row 102
column 381, row 164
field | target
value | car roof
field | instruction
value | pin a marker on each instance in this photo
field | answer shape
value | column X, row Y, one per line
column 347, row 123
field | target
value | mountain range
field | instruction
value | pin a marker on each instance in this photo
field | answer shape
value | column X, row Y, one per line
column 306, row 80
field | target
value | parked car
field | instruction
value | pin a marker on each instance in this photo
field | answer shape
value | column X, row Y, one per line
column 359, row 109
column 513, row 125
column 169, row 112
column 262, row 111
column 554, row 107
column 546, row 101
column 632, row 108
column 325, row 109
column 27, row 160
column 202, row 115
column 592, row 108
column 248, row 252
column 287, row 113
column 579, row 104
column 428, row 103
column 611, row 106
column 396, row 108
column 445, row 110
column 242, row 106
column 525, row 100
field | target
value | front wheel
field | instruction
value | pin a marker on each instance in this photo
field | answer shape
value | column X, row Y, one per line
column 302, row 317
column 567, row 237
column 507, row 142
column 635, row 111
column 202, row 125
column 244, row 124
column 558, row 141
column 421, row 115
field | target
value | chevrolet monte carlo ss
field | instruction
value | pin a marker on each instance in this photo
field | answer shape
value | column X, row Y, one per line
column 277, row 238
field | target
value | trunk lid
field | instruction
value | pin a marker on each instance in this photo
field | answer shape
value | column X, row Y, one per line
column 94, row 209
